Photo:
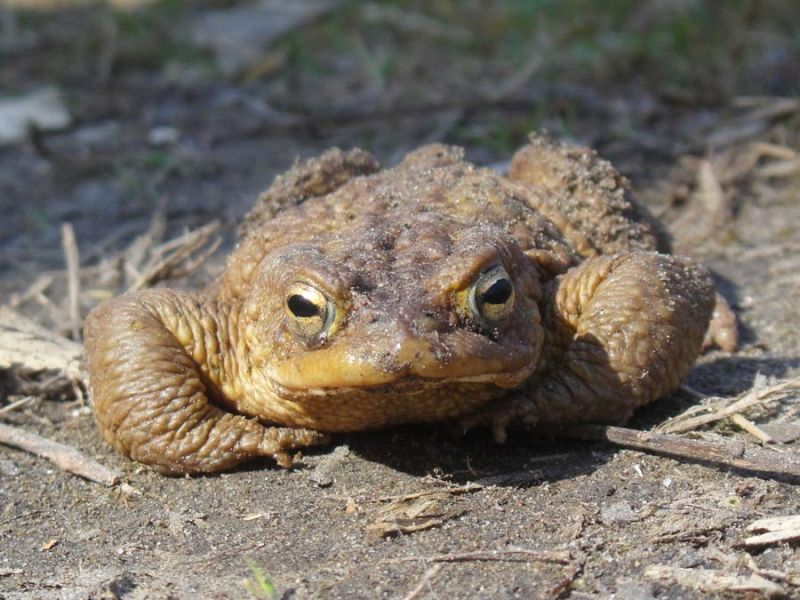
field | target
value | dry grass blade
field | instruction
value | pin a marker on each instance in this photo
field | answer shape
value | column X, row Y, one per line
column 790, row 415
column 424, row 582
column 783, row 168
column 724, row 408
column 710, row 581
column 762, row 114
column 769, row 150
column 34, row 292
column 790, row 578
column 774, row 108
column 179, row 256
column 72, row 259
column 135, row 254
column 747, row 425
column 717, row 204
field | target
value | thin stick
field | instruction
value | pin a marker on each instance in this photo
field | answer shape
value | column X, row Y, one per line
column 35, row 290
column 722, row 452
column 424, row 582
column 64, row 457
column 17, row 404
column 513, row 554
column 73, row 274
column 454, row 490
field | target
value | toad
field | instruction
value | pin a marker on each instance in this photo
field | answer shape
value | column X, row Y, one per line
column 359, row 298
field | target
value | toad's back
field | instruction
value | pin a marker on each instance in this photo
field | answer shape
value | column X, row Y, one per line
column 561, row 203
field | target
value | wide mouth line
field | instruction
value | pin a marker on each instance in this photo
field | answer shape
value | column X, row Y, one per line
column 408, row 384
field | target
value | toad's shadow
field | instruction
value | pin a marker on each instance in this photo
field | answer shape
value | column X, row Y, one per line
column 528, row 459
column 525, row 459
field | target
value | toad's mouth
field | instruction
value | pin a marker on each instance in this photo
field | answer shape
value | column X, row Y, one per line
column 357, row 408
column 405, row 386
column 400, row 363
column 400, row 384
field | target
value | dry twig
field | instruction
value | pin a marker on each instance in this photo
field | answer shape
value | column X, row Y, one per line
column 65, row 457
column 727, row 407
column 15, row 405
column 441, row 492
column 720, row 452
column 511, row 554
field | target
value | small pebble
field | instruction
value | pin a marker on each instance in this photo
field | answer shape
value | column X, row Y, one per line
column 163, row 136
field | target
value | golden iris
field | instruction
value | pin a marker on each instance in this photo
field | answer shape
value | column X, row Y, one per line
column 309, row 311
column 490, row 298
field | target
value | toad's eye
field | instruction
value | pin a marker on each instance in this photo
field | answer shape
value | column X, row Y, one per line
column 490, row 298
column 309, row 311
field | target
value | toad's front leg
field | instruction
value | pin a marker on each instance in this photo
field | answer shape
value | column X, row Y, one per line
column 621, row 331
column 160, row 362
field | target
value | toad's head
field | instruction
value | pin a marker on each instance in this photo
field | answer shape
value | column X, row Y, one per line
column 398, row 315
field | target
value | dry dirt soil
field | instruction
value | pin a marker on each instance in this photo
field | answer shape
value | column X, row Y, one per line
column 414, row 512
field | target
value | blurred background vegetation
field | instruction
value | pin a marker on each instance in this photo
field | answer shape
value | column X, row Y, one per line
column 351, row 60
column 202, row 102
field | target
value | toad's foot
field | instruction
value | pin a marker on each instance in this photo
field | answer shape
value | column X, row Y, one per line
column 158, row 359
column 622, row 331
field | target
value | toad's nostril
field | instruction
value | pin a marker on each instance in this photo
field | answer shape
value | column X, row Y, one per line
column 426, row 324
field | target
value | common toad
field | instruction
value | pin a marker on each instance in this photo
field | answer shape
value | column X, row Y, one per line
column 359, row 298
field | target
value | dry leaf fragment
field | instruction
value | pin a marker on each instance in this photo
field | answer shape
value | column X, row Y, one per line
column 29, row 347
column 351, row 506
column 44, row 109
column 49, row 544
column 409, row 525
column 711, row 581
column 253, row 516
column 409, row 516
column 773, row 530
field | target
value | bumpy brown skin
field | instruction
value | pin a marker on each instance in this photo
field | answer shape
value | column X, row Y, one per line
column 599, row 322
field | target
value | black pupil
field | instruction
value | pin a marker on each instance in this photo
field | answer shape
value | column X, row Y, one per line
column 498, row 293
column 302, row 306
